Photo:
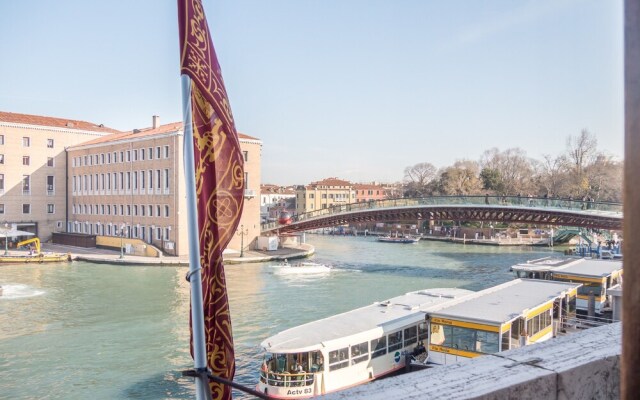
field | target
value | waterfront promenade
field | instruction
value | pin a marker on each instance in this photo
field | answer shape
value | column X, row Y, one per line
column 106, row 256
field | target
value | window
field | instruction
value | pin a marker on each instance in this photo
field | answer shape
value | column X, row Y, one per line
column 135, row 210
column 50, row 143
column 26, row 184
column 410, row 336
column 245, row 155
column 1, row 208
column 150, row 210
column 26, row 141
column 360, row 353
column 109, row 158
column 423, row 331
column 158, row 152
column 50, row 209
column 49, row 161
column 395, row 341
column 128, row 180
column 95, row 159
column 121, row 209
column 26, row 208
column 128, row 155
column 150, row 179
column 143, row 211
column 150, row 153
column 338, row 359
column 166, row 179
column 166, row 211
column 1, row 139
column 121, row 180
column 50, row 184
column 1, row 183
column 135, row 155
column 158, row 211
column 135, row 180
column 141, row 154
column 158, row 179
column 166, row 151
column 85, row 161
column 158, row 233
column 1, row 158
column 102, row 158
column 128, row 209
column 122, row 156
column 464, row 338
column 167, row 232
column 26, row 160
column 142, row 175
column 102, row 209
column 379, row 347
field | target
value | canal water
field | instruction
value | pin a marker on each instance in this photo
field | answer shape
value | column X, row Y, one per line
column 81, row 330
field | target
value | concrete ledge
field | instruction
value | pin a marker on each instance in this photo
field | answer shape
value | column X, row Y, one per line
column 584, row 365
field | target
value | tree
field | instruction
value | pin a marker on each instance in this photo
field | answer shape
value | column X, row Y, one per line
column 491, row 180
column 460, row 179
column 582, row 150
column 507, row 172
column 417, row 179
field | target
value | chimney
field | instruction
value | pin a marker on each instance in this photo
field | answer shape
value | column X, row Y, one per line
column 156, row 121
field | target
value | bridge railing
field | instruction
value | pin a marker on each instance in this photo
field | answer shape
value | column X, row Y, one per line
column 497, row 201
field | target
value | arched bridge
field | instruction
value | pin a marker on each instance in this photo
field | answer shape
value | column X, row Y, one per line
column 508, row 209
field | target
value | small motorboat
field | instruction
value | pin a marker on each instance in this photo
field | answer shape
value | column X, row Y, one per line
column 396, row 239
column 305, row 267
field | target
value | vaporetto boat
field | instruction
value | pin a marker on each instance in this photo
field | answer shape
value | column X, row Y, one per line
column 351, row 348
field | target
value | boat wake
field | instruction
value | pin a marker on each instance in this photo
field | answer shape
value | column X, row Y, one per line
column 18, row 291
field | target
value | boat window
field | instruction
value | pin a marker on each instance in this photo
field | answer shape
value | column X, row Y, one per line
column 423, row 331
column 317, row 362
column 506, row 340
column 588, row 287
column 338, row 359
column 379, row 347
column 571, row 305
column 410, row 336
column 395, row 341
column 538, row 323
column 465, row 339
column 359, row 353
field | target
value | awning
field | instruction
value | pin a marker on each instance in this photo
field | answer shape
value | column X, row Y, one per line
column 14, row 233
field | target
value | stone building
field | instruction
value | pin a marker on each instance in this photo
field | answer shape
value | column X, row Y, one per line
column 33, row 169
column 131, row 184
column 324, row 194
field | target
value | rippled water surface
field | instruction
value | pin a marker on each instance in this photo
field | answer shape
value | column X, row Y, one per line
column 82, row 331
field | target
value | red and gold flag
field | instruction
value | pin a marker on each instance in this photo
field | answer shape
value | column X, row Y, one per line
column 219, row 176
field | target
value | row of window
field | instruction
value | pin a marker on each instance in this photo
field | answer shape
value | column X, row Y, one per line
column 538, row 323
column 142, row 210
column 122, row 180
column 459, row 338
column 26, row 160
column 128, row 231
column 337, row 196
column 26, row 141
column 394, row 341
column 26, row 208
column 121, row 156
column 26, row 184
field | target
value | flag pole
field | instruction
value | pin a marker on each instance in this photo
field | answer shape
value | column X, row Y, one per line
column 195, row 278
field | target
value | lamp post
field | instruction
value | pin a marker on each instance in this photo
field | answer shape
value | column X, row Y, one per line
column 6, row 239
column 121, row 241
column 242, row 232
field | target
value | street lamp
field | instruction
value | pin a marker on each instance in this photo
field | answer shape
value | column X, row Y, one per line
column 242, row 233
column 6, row 239
column 121, row 241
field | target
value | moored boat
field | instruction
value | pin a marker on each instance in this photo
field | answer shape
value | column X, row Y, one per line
column 351, row 348
column 396, row 239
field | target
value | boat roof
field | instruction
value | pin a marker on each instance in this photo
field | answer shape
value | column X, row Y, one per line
column 506, row 302
column 573, row 266
column 363, row 322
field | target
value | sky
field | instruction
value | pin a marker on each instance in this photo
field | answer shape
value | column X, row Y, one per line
column 354, row 89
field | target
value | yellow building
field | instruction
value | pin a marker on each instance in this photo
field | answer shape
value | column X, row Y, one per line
column 33, row 168
column 131, row 184
column 326, row 193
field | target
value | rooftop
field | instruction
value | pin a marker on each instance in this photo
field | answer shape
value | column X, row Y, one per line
column 503, row 303
column 53, row 122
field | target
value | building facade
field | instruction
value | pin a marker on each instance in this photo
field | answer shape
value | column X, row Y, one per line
column 326, row 193
column 131, row 184
column 274, row 200
column 369, row 192
column 33, row 169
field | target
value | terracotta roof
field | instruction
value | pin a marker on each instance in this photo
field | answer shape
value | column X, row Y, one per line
column 137, row 133
column 329, row 182
column 54, row 122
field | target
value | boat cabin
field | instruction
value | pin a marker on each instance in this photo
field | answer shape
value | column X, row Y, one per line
column 596, row 277
column 350, row 348
column 500, row 318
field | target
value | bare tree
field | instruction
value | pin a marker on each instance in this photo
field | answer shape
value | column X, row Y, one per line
column 462, row 178
column 508, row 172
column 582, row 150
column 418, row 177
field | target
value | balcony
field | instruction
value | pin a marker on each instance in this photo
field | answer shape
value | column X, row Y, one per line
column 249, row 193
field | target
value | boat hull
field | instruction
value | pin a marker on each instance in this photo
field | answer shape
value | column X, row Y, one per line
column 35, row 259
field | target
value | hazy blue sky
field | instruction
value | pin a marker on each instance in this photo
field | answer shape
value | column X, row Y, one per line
column 357, row 89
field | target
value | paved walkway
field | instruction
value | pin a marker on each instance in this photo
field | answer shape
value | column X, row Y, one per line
column 105, row 256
